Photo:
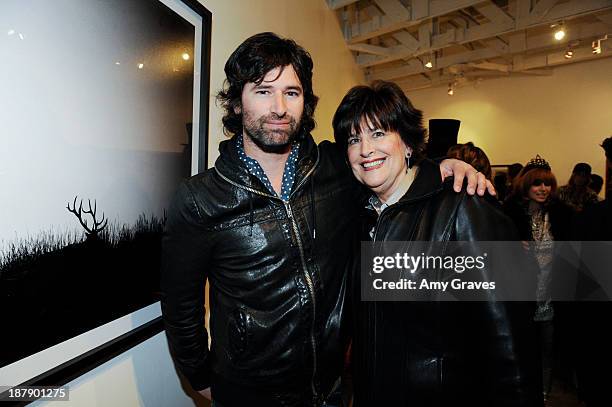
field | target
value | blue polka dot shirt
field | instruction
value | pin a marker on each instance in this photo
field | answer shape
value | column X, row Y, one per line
column 256, row 170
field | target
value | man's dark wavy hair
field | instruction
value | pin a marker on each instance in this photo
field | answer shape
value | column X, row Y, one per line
column 250, row 62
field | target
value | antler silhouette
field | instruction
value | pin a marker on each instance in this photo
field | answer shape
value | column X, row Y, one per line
column 97, row 226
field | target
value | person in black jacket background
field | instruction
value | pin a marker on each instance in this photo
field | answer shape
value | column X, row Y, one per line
column 593, row 338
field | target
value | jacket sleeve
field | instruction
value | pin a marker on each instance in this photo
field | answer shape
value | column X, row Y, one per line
column 185, row 252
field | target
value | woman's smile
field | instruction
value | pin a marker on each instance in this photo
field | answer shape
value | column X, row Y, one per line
column 373, row 164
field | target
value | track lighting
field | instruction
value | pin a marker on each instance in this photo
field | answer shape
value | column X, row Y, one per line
column 559, row 31
column 596, row 45
column 428, row 61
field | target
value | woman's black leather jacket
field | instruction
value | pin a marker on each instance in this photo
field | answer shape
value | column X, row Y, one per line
column 435, row 353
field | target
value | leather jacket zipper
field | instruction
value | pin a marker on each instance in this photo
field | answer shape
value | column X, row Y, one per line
column 378, row 224
column 312, row 295
column 307, row 276
column 253, row 190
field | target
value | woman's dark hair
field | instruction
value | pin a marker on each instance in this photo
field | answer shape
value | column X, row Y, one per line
column 385, row 106
column 472, row 155
column 250, row 62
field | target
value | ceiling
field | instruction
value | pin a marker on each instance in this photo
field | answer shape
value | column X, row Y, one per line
column 468, row 41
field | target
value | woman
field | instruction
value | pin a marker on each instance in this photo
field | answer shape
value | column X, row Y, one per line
column 425, row 353
column 472, row 155
column 541, row 219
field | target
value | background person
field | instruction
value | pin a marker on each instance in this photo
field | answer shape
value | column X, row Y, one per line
column 576, row 193
column 541, row 220
column 596, row 183
column 472, row 155
column 592, row 343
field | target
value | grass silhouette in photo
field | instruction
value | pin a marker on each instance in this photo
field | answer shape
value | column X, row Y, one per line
column 57, row 285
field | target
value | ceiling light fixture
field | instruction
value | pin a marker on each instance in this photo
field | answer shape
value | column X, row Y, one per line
column 451, row 89
column 596, row 45
column 185, row 56
column 429, row 61
column 569, row 53
column 559, row 32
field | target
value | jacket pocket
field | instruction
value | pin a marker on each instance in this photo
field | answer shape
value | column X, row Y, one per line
column 238, row 334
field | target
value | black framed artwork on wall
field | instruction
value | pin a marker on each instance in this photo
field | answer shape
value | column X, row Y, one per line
column 104, row 112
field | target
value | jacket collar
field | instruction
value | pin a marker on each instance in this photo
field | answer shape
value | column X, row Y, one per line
column 428, row 182
column 230, row 166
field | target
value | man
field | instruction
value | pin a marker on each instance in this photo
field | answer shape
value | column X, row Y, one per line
column 576, row 193
column 593, row 338
column 272, row 228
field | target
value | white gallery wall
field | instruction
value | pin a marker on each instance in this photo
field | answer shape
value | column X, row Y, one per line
column 563, row 117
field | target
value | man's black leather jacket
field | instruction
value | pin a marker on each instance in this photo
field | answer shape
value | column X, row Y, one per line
column 277, row 273
column 434, row 353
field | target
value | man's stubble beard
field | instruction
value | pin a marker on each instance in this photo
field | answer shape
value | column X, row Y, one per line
column 270, row 141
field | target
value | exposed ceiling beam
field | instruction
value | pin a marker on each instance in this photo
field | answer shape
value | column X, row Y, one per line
column 420, row 9
column 490, row 66
column 518, row 44
column 535, row 72
column 370, row 49
column 497, row 44
column 407, row 40
column 481, row 32
column 535, row 66
column 541, row 8
column 440, row 63
column 563, row 11
column 430, row 44
column 363, row 31
column 606, row 18
column 394, row 10
column 468, row 78
column 556, row 58
column 494, row 13
column 522, row 9
column 338, row 4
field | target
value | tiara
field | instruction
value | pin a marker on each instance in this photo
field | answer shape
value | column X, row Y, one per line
column 537, row 162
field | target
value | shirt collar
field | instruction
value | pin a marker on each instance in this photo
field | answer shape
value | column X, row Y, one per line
column 378, row 205
column 256, row 170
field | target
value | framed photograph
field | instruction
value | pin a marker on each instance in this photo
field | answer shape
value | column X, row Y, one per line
column 104, row 111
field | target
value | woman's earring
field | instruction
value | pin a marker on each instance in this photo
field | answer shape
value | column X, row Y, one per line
column 408, row 154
